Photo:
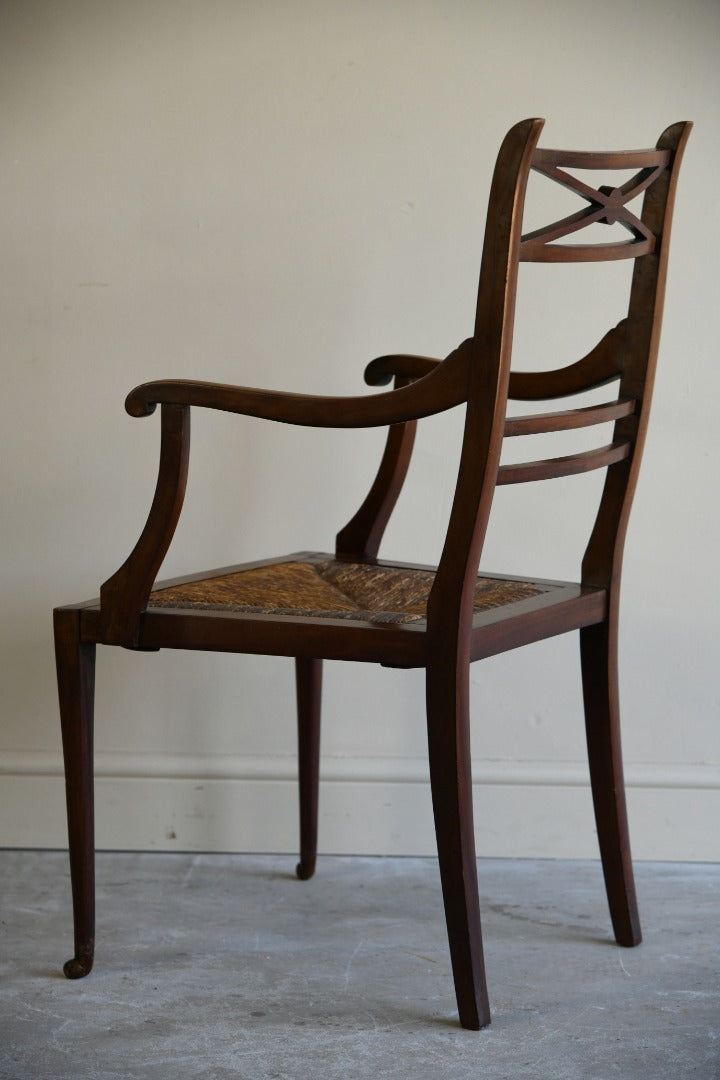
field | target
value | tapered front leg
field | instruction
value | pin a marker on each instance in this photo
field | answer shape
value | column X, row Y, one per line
column 451, row 781
column 598, row 651
column 308, row 677
column 75, row 662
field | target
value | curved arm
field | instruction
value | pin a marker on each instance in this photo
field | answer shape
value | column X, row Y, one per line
column 124, row 596
column 600, row 366
column 443, row 388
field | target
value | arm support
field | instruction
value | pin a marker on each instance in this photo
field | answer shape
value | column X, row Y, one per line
column 125, row 595
column 361, row 537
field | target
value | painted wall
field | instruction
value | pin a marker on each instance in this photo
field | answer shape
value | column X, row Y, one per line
column 272, row 194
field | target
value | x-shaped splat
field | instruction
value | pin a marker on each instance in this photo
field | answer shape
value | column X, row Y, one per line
column 606, row 206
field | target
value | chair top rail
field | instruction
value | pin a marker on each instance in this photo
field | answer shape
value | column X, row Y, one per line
column 601, row 159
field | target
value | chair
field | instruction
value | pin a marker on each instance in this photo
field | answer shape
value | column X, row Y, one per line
column 351, row 605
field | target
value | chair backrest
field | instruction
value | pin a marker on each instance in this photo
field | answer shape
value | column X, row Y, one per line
column 626, row 354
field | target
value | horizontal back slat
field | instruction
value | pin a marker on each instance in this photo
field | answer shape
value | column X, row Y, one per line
column 537, row 251
column 569, row 419
column 550, row 468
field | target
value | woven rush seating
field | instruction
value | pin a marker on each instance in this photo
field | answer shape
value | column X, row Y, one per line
column 332, row 589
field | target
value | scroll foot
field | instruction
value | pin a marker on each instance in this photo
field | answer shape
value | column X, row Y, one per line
column 79, row 966
column 305, row 869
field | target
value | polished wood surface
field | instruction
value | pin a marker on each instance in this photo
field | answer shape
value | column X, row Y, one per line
column 451, row 632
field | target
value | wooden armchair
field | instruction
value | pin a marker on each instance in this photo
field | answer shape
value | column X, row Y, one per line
column 350, row 605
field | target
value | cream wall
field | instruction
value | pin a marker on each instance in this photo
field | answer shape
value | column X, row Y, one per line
column 274, row 193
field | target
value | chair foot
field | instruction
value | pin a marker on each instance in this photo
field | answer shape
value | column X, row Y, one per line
column 305, row 869
column 79, row 966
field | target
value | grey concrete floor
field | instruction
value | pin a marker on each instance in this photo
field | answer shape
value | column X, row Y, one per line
column 227, row 966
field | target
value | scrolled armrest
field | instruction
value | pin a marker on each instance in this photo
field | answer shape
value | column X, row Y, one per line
column 271, row 404
column 438, row 386
column 382, row 370
column 301, row 409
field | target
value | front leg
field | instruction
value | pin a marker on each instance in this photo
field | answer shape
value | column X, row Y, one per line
column 308, row 678
column 451, row 781
column 598, row 652
column 75, row 660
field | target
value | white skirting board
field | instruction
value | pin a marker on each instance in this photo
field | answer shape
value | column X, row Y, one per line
column 367, row 806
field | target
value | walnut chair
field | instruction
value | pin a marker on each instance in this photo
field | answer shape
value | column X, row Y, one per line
column 351, row 605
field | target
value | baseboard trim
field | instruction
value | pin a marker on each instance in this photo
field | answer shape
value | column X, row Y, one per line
column 368, row 806
column 365, row 770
